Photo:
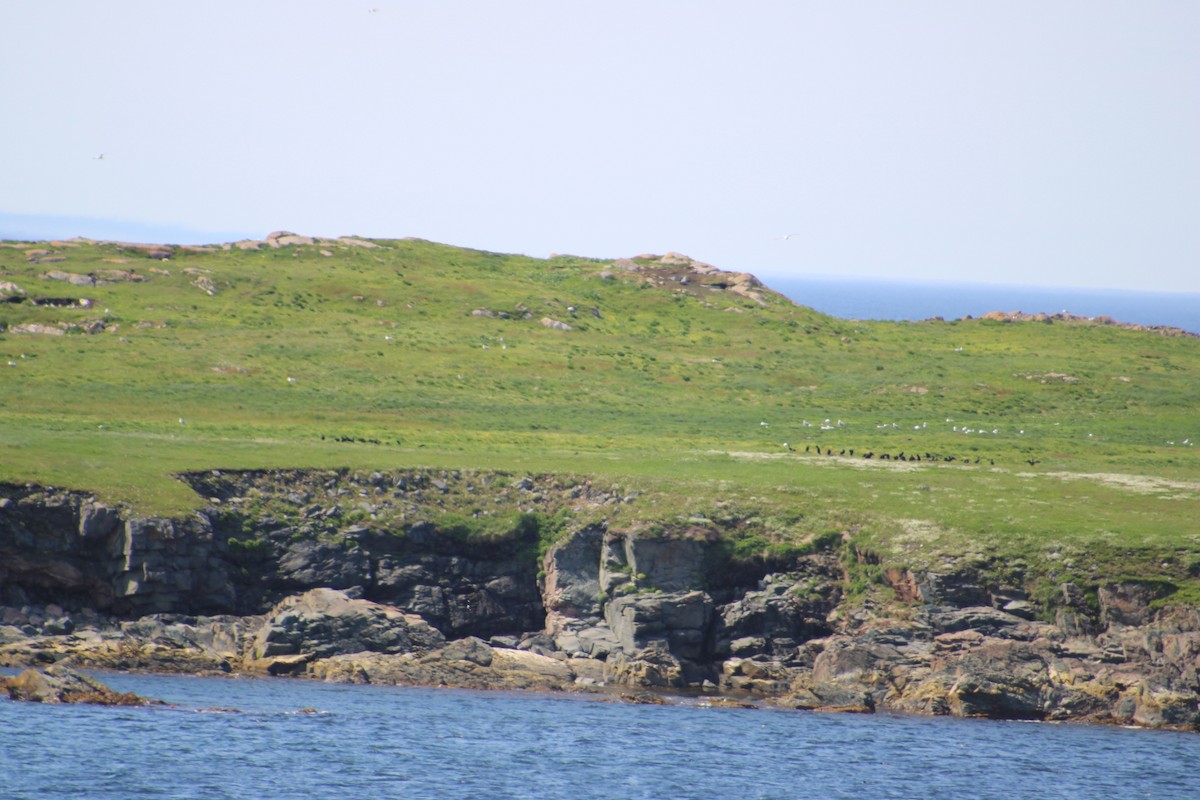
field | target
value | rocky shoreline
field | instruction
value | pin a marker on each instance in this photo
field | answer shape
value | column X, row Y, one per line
column 343, row 577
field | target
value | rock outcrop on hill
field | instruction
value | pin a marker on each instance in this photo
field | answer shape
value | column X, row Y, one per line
column 373, row 597
column 1066, row 316
column 686, row 274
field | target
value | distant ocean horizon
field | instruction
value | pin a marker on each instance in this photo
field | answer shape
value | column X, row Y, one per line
column 869, row 298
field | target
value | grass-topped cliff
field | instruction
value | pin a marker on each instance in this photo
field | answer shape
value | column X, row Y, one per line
column 1059, row 446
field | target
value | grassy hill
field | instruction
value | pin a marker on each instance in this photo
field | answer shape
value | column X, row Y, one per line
column 1056, row 444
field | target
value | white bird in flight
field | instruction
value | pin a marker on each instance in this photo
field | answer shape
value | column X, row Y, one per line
column 787, row 236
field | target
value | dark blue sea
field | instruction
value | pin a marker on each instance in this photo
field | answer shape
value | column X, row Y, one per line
column 298, row 739
column 863, row 298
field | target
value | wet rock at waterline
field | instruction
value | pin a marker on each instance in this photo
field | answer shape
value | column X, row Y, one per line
column 58, row 684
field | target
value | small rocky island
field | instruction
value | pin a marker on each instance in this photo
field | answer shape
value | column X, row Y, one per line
column 340, row 576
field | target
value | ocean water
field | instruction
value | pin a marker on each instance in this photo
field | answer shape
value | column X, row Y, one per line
column 862, row 298
column 375, row 743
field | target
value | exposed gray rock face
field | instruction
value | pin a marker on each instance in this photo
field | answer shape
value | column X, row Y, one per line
column 679, row 622
column 67, row 548
column 959, row 588
column 471, row 592
column 668, row 564
column 63, row 547
column 308, row 563
column 167, row 565
column 86, row 583
column 654, row 603
column 221, row 636
column 97, row 521
column 634, row 602
column 579, row 639
column 572, row 595
column 572, row 584
column 786, row 610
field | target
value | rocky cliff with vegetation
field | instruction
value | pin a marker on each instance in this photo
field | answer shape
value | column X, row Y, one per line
column 400, row 577
column 400, row 461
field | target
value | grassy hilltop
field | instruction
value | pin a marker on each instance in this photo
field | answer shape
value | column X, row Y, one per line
column 706, row 394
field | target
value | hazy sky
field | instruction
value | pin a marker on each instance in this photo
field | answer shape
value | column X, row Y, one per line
column 1053, row 143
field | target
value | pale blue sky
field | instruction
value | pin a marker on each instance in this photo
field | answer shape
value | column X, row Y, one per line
column 1053, row 143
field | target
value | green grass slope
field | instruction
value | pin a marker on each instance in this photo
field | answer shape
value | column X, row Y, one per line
column 704, row 393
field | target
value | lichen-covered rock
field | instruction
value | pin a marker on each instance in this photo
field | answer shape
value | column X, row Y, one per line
column 58, row 684
column 467, row 664
column 653, row 666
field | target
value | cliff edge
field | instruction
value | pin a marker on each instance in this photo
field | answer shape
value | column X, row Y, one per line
column 323, row 593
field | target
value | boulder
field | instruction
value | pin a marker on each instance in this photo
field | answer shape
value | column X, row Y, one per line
column 39, row 329
column 326, row 622
column 159, row 252
column 59, row 684
column 851, row 662
column 466, row 663
column 162, row 642
column 355, row 241
column 648, row 667
column 584, row 639
column 1161, row 707
column 59, row 626
column 1000, row 679
column 285, row 238
column 1020, row 608
column 97, row 521
column 72, row 278
column 470, row 649
column 760, row 677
